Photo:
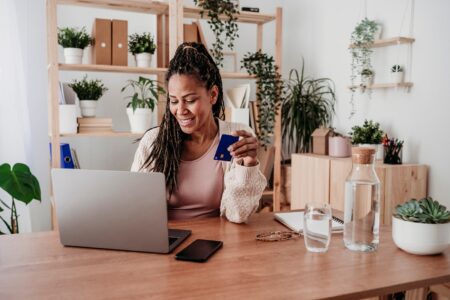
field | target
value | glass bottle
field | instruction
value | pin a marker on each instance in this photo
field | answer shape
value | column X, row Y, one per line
column 362, row 202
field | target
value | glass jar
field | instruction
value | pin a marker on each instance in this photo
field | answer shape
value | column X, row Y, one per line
column 362, row 203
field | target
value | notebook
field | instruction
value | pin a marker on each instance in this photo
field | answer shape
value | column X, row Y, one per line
column 294, row 221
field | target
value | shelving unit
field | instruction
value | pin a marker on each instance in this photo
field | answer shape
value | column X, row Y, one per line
column 384, row 85
column 391, row 42
column 169, row 28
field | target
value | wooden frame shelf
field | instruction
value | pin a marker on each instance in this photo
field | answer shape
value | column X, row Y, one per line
column 242, row 17
column 141, row 6
column 104, row 134
column 111, row 68
column 383, row 85
column 390, row 42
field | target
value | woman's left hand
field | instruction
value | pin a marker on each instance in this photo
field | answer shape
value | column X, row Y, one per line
column 245, row 149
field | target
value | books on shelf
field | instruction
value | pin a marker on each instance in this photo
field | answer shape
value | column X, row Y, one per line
column 91, row 125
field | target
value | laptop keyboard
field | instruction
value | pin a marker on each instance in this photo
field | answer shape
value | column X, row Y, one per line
column 172, row 240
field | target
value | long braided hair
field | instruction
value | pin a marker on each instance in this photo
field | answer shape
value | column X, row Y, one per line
column 194, row 60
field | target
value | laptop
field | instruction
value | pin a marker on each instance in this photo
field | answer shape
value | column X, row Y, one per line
column 114, row 210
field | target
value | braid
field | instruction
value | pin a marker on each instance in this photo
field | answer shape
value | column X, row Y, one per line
column 190, row 59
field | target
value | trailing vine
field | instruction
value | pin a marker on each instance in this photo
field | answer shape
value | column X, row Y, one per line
column 268, row 93
column 214, row 9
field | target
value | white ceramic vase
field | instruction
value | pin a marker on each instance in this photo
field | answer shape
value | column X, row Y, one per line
column 420, row 238
column 143, row 60
column 140, row 119
column 88, row 108
column 339, row 146
column 397, row 77
column 367, row 79
column 73, row 55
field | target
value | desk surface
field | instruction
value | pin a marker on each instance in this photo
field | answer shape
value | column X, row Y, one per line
column 36, row 265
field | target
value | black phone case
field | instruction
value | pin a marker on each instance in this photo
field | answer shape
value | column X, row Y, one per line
column 199, row 250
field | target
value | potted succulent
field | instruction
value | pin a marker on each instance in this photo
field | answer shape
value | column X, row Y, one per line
column 142, row 102
column 73, row 41
column 88, row 92
column 421, row 227
column 339, row 145
column 397, row 73
column 367, row 76
column 21, row 185
column 142, row 46
column 368, row 135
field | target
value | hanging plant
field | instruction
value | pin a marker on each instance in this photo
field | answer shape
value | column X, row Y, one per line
column 268, row 93
column 361, row 40
column 214, row 9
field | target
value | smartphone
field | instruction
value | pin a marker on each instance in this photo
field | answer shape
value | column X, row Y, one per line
column 199, row 250
column 226, row 141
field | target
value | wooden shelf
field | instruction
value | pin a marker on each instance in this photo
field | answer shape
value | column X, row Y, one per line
column 104, row 134
column 384, row 85
column 110, row 68
column 141, row 6
column 390, row 42
column 243, row 16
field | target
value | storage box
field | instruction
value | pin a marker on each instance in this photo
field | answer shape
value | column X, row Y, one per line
column 119, row 43
column 101, row 32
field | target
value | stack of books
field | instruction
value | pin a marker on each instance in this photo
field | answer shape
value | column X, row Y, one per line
column 94, row 125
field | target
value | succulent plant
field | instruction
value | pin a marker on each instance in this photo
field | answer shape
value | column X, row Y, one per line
column 426, row 210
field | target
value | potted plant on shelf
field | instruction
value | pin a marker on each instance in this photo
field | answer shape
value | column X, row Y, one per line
column 73, row 41
column 219, row 25
column 142, row 46
column 392, row 151
column 367, row 76
column 21, row 185
column 268, row 93
column 397, row 74
column 88, row 92
column 368, row 135
column 142, row 102
column 339, row 145
column 421, row 227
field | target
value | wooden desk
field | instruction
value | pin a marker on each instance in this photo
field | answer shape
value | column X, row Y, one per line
column 36, row 266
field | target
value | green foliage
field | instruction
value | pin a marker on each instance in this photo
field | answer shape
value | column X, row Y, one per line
column 369, row 133
column 214, row 9
column 426, row 211
column 361, row 40
column 141, row 43
column 396, row 68
column 22, row 185
column 367, row 72
column 88, row 89
column 69, row 37
column 307, row 104
column 269, row 91
column 145, row 93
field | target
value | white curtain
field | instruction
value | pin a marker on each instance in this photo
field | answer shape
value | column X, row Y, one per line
column 15, row 134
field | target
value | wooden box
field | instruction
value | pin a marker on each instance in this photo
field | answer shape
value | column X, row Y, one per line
column 119, row 43
column 101, row 32
column 190, row 33
column 320, row 140
column 322, row 178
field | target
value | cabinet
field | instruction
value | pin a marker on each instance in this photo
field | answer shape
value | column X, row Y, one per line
column 169, row 22
column 321, row 178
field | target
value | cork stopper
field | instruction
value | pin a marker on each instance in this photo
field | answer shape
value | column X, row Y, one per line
column 363, row 155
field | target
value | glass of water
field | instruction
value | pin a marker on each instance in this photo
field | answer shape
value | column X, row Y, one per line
column 317, row 226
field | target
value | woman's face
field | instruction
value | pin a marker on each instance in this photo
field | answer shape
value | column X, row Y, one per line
column 191, row 103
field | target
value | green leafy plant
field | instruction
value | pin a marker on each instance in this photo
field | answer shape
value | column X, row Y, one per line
column 367, row 72
column 141, row 43
column 392, row 150
column 22, row 186
column 70, row 37
column 361, row 40
column 145, row 94
column 396, row 68
column 426, row 210
column 368, row 133
column 268, row 93
column 229, row 26
column 307, row 105
column 88, row 89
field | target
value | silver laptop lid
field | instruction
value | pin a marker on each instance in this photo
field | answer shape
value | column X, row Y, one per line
column 111, row 209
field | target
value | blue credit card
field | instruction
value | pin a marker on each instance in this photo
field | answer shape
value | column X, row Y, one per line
column 226, row 141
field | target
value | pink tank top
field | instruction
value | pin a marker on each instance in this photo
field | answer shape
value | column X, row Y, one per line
column 200, row 187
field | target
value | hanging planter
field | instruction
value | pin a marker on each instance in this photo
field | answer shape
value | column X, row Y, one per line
column 397, row 74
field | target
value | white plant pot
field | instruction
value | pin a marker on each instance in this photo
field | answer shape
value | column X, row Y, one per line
column 339, row 146
column 88, row 108
column 140, row 119
column 419, row 238
column 143, row 60
column 73, row 55
column 397, row 77
column 367, row 79
column 379, row 150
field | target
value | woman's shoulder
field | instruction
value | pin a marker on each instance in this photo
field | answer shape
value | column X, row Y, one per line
column 149, row 137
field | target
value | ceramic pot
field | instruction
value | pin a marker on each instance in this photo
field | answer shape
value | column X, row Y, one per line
column 88, row 108
column 143, row 60
column 140, row 119
column 339, row 146
column 397, row 77
column 73, row 55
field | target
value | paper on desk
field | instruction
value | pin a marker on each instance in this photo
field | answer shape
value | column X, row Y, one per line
column 294, row 221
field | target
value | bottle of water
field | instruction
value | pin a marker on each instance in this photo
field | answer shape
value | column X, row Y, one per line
column 362, row 203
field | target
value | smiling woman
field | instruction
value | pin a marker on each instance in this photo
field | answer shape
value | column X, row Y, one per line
column 183, row 146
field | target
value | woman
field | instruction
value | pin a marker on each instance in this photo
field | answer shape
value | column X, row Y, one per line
column 183, row 146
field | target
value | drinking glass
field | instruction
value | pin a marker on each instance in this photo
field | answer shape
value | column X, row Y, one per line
column 317, row 226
